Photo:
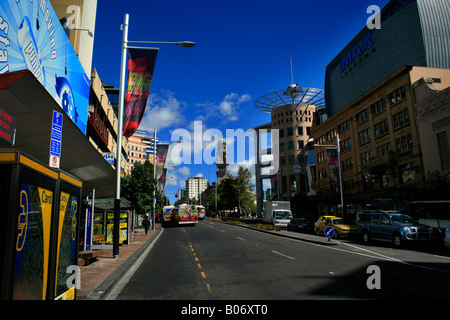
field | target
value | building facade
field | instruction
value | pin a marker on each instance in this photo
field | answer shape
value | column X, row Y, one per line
column 433, row 119
column 293, row 122
column 195, row 187
column 102, row 123
column 413, row 32
column 222, row 161
column 380, row 145
column 140, row 149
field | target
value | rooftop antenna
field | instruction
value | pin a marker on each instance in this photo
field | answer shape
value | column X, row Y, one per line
column 294, row 89
column 292, row 72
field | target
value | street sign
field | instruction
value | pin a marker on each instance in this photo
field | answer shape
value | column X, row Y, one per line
column 329, row 232
column 7, row 127
column 55, row 140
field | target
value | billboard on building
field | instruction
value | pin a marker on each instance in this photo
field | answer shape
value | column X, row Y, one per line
column 406, row 37
column 31, row 37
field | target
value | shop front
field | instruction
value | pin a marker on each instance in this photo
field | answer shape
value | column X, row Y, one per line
column 45, row 173
column 39, row 228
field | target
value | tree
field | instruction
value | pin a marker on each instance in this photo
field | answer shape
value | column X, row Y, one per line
column 138, row 188
column 181, row 201
column 437, row 184
column 237, row 192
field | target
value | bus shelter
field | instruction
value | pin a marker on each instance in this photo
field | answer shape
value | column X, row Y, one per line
column 39, row 228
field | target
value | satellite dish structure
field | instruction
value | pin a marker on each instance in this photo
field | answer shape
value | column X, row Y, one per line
column 293, row 91
column 298, row 95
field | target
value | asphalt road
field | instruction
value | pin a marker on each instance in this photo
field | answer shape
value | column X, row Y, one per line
column 216, row 261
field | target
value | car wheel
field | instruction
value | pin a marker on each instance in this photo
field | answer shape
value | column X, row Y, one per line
column 365, row 236
column 397, row 240
column 318, row 231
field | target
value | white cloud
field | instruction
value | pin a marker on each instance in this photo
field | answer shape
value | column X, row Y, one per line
column 162, row 112
column 228, row 109
column 247, row 164
column 184, row 171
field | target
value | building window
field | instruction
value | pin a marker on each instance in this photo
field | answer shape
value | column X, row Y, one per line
column 291, row 160
column 397, row 95
column 400, row 119
column 381, row 128
column 378, row 106
column 300, row 131
column 404, row 143
column 364, row 136
column 362, row 116
column 290, row 145
column 444, row 150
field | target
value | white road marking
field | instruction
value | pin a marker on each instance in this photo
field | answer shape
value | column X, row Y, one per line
column 283, row 255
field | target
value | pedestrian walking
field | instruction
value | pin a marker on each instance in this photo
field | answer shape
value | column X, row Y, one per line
column 146, row 224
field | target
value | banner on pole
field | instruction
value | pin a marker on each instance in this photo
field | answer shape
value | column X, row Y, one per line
column 333, row 164
column 141, row 64
column 162, row 181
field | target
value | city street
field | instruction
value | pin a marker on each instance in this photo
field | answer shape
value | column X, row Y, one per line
column 216, row 261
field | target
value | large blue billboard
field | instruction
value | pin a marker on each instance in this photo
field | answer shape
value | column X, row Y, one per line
column 31, row 37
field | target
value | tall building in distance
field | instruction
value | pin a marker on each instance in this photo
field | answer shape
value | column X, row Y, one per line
column 222, row 161
column 195, row 186
column 293, row 112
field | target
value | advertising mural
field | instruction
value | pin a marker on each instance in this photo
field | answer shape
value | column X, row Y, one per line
column 31, row 37
column 67, row 236
column 32, row 243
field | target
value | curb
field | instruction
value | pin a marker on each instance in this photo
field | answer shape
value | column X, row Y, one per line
column 276, row 233
column 103, row 289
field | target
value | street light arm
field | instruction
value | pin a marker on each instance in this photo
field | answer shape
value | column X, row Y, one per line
column 325, row 145
column 185, row 44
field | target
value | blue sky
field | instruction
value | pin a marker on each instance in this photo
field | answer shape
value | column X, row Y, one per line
column 242, row 52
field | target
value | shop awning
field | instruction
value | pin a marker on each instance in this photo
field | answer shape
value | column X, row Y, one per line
column 108, row 203
column 23, row 96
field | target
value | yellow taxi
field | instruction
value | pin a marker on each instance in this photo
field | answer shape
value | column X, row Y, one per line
column 319, row 225
column 342, row 227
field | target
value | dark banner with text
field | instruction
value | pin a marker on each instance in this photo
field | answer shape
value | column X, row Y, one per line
column 141, row 64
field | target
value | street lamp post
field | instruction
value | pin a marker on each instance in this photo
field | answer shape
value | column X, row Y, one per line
column 155, row 153
column 338, row 148
column 123, row 63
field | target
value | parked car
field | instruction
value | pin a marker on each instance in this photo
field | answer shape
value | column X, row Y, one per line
column 396, row 227
column 300, row 224
column 319, row 225
column 342, row 227
column 447, row 238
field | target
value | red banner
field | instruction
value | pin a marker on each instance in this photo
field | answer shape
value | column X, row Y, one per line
column 141, row 64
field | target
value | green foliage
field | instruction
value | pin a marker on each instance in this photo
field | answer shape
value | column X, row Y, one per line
column 138, row 188
column 235, row 192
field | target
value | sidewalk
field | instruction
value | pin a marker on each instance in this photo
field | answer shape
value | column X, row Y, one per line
column 98, row 278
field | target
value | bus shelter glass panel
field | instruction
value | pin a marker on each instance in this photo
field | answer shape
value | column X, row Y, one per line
column 67, row 240
column 32, row 242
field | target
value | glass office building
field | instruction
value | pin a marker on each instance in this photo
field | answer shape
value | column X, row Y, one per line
column 413, row 32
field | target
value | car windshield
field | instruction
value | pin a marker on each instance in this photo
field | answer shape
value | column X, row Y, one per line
column 342, row 221
column 402, row 218
column 282, row 214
